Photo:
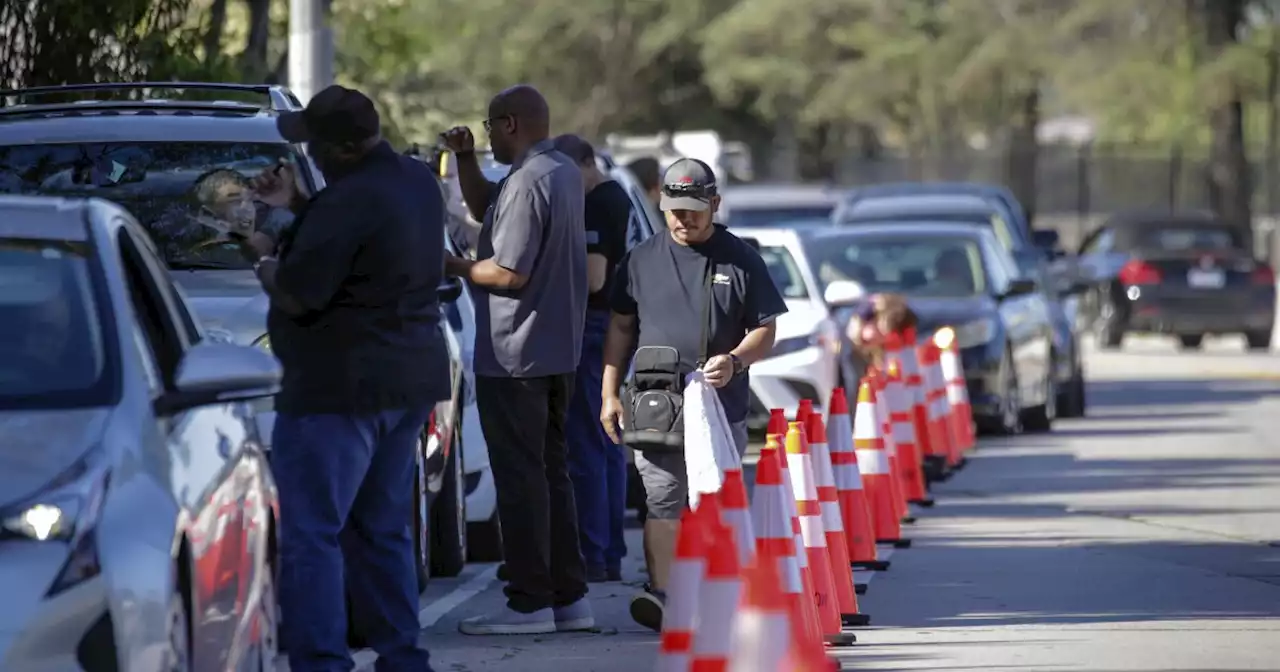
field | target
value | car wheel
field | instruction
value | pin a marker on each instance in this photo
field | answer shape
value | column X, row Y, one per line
column 1191, row 341
column 421, row 528
column 268, row 625
column 484, row 540
column 1040, row 418
column 1259, row 340
column 177, row 658
column 1107, row 327
column 1071, row 401
column 1010, row 399
column 449, row 517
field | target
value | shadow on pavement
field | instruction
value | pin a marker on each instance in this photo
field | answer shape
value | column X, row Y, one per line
column 1143, row 393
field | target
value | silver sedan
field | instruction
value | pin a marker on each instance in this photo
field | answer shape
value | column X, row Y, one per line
column 137, row 513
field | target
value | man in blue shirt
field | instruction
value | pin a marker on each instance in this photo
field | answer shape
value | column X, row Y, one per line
column 354, row 320
column 658, row 297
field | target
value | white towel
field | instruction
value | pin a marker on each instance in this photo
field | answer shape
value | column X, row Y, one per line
column 709, row 448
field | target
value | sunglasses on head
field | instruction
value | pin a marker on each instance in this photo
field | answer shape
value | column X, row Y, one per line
column 689, row 190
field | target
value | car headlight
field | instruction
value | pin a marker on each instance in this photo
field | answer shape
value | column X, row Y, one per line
column 66, row 513
column 977, row 332
column 263, row 341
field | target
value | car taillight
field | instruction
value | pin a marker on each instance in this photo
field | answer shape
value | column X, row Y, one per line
column 1263, row 275
column 431, row 423
column 1139, row 273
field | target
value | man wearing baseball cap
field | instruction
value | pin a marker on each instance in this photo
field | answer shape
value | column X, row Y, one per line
column 659, row 294
column 354, row 320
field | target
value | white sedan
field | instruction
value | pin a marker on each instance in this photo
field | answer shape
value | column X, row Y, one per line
column 805, row 363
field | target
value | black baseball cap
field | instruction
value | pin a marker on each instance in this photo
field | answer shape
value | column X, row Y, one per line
column 688, row 184
column 336, row 114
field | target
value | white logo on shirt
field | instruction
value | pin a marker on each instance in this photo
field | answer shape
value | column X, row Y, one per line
column 719, row 279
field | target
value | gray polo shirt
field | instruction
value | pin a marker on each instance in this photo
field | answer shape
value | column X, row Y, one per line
column 534, row 228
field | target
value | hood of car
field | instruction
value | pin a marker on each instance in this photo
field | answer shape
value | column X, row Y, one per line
column 934, row 313
column 37, row 446
column 801, row 319
column 229, row 304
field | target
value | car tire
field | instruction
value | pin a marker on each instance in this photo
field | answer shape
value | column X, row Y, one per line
column 177, row 656
column 1191, row 341
column 1259, row 340
column 1039, row 419
column 267, row 648
column 421, row 522
column 449, row 517
column 1107, row 326
column 484, row 540
column 1071, row 401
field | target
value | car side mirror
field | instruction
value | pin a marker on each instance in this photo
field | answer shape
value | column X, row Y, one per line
column 216, row 373
column 1020, row 287
column 843, row 293
column 449, row 290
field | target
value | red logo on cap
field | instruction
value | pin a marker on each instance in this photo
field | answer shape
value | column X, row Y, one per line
column 686, row 180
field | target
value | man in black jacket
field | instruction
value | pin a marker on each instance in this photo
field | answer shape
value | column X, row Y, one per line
column 354, row 320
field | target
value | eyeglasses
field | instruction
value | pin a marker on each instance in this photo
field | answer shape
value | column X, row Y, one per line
column 703, row 191
column 488, row 123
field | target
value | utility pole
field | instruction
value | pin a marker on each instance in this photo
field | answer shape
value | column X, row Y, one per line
column 310, row 47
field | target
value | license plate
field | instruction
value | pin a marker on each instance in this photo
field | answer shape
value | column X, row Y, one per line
column 1206, row 279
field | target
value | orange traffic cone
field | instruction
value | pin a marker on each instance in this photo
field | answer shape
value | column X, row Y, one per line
column 904, row 438
column 756, row 644
column 800, row 466
column 719, row 595
column 833, row 523
column 736, row 513
column 935, row 461
column 680, row 614
column 771, row 514
column 957, row 389
column 855, row 511
column 877, row 479
column 896, row 465
column 939, row 411
column 797, row 535
column 777, row 422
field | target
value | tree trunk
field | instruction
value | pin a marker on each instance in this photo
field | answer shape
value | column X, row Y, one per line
column 253, row 63
column 1230, row 184
column 213, row 36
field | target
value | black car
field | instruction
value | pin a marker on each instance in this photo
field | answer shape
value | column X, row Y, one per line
column 179, row 157
column 910, row 204
column 958, row 275
column 1183, row 274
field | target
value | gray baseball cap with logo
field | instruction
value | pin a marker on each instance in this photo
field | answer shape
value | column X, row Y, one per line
column 688, row 184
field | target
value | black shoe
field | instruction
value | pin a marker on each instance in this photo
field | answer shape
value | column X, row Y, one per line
column 597, row 575
column 614, row 573
column 647, row 608
column 503, row 573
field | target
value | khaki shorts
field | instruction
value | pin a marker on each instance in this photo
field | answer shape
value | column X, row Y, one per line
column 665, row 477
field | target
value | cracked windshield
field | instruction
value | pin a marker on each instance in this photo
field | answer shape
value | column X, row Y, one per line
column 190, row 196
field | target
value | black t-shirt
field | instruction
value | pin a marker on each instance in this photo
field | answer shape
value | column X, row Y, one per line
column 662, row 283
column 607, row 212
column 365, row 260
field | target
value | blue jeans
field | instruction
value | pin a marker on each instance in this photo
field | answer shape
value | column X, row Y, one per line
column 597, row 466
column 346, row 484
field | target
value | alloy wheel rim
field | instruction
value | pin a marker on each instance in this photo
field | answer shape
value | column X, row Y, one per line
column 1011, row 397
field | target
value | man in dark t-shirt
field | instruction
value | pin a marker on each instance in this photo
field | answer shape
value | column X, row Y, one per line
column 657, row 300
column 598, row 468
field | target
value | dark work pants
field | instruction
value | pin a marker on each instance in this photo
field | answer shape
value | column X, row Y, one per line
column 346, row 484
column 523, row 422
column 597, row 466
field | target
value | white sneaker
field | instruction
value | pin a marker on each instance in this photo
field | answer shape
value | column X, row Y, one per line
column 576, row 616
column 508, row 622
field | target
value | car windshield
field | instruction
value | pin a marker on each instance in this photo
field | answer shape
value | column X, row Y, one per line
column 52, row 352
column 1188, row 239
column 771, row 217
column 784, row 271
column 944, row 267
column 188, row 195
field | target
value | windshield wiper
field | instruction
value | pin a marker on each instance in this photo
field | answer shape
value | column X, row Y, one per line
column 196, row 265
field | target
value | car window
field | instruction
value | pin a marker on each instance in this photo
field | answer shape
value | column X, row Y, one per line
column 772, row 217
column 186, row 195
column 1188, row 239
column 53, row 347
column 1004, row 234
column 163, row 338
column 1098, row 241
column 784, row 271
column 926, row 266
column 1001, row 267
column 173, row 297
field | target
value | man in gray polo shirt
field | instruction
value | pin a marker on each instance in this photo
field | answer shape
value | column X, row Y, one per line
column 531, row 277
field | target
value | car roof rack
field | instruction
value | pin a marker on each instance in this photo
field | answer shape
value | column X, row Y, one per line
column 279, row 98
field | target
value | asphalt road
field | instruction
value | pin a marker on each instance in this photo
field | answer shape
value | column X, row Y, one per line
column 1144, row 537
